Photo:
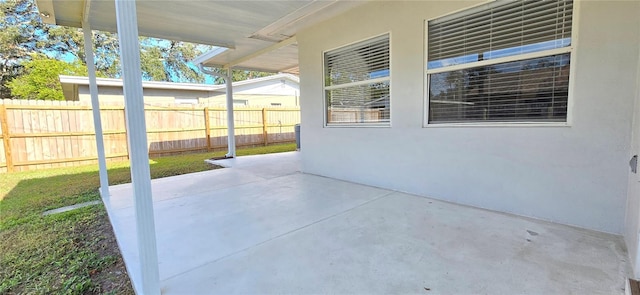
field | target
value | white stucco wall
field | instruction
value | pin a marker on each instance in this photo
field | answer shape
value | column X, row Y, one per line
column 632, row 218
column 575, row 175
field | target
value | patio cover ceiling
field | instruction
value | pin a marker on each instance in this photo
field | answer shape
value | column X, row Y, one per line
column 258, row 35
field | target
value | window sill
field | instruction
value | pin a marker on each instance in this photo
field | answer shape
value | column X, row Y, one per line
column 497, row 124
column 372, row 125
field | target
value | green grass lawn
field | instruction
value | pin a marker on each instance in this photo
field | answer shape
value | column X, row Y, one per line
column 73, row 252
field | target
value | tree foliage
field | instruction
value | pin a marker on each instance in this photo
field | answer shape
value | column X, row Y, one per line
column 22, row 34
column 164, row 60
column 241, row 75
column 236, row 75
column 11, row 50
column 40, row 79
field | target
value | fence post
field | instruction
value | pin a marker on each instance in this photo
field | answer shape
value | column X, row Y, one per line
column 264, row 126
column 6, row 138
column 207, row 128
column 126, row 136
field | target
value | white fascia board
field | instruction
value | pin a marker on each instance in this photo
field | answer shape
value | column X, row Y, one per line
column 290, row 77
column 46, row 11
column 110, row 82
column 146, row 84
column 203, row 58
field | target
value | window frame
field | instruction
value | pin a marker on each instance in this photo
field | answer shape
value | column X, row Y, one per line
column 183, row 100
column 240, row 102
column 326, row 124
column 571, row 50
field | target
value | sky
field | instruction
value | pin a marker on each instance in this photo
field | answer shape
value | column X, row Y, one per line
column 68, row 57
column 498, row 53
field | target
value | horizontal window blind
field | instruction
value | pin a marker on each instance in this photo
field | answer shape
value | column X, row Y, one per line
column 358, row 62
column 517, row 88
column 534, row 90
column 504, row 28
column 359, row 104
column 357, row 83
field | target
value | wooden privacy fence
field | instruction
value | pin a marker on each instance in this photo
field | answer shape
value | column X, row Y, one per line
column 354, row 115
column 45, row 134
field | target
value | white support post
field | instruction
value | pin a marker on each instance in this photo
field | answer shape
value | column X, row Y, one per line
column 127, row 22
column 95, row 107
column 231, row 140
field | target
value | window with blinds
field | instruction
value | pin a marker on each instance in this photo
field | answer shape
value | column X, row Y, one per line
column 357, row 83
column 506, row 61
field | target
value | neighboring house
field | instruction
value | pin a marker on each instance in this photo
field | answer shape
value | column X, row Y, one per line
column 276, row 90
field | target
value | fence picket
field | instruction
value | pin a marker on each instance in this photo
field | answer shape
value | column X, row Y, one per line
column 53, row 134
column 6, row 139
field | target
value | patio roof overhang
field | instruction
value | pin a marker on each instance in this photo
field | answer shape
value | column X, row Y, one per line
column 257, row 35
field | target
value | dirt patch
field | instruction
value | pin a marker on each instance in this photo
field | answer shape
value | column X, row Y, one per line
column 113, row 278
column 213, row 166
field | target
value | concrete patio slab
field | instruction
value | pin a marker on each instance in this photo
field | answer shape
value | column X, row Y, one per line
column 266, row 228
column 267, row 166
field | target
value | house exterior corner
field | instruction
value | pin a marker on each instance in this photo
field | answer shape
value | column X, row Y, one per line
column 573, row 173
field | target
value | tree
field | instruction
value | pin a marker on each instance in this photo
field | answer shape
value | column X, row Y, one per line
column 22, row 33
column 40, row 79
column 237, row 75
column 164, row 60
column 241, row 75
column 11, row 52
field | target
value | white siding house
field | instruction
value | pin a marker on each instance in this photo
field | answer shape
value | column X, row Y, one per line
column 275, row 90
column 281, row 90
